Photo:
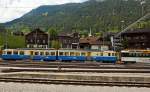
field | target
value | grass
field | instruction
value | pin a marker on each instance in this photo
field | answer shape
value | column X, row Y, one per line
column 12, row 41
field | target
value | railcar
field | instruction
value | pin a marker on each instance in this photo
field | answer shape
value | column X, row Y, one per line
column 72, row 55
column 43, row 55
column 61, row 55
column 14, row 54
column 33, row 54
column 134, row 56
column 105, row 56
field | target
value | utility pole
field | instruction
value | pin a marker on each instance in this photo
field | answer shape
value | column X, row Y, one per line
column 48, row 39
column 6, row 40
column 6, row 36
column 122, row 26
column 142, row 5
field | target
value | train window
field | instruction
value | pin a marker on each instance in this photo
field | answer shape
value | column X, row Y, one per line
column 126, row 54
column 66, row 53
column 83, row 54
column 4, row 52
column 123, row 54
column 36, row 53
column 131, row 55
column 31, row 52
column 140, row 55
column 147, row 55
column 136, row 54
column 109, row 54
column 144, row 55
column 9, row 52
column 52, row 53
column 60, row 53
column 21, row 52
column 71, row 53
column 47, row 53
column 16, row 52
column 77, row 54
column 101, row 54
column 41, row 53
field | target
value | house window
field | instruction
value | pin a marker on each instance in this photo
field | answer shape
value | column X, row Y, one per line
column 64, row 41
column 38, row 41
column 43, row 41
column 31, row 40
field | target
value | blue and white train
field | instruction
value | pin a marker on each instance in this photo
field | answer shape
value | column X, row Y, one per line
column 60, row 55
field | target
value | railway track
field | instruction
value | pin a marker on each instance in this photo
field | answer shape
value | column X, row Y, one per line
column 64, row 67
column 90, row 65
column 74, row 82
column 63, row 70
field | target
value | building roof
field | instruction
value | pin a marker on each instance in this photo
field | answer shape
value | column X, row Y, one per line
column 64, row 34
column 36, row 30
column 90, row 40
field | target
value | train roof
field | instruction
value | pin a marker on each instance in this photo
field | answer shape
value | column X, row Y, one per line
column 127, row 51
column 31, row 49
column 60, row 49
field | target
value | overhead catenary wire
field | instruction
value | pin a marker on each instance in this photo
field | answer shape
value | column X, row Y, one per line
column 131, row 25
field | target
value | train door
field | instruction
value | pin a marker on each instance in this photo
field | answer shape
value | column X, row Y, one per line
column 89, row 58
column 31, row 53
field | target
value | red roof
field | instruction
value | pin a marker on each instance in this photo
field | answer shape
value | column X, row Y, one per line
column 90, row 40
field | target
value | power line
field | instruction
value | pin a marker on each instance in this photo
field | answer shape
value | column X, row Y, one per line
column 131, row 25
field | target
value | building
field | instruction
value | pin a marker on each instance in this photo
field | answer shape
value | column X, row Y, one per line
column 36, row 39
column 136, row 39
column 18, row 33
column 94, row 43
column 70, row 41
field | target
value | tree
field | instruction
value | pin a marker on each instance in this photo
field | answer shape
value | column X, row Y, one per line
column 52, row 34
column 55, row 44
column 2, row 27
column 125, row 43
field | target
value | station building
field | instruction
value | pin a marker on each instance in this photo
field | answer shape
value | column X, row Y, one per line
column 136, row 39
column 36, row 39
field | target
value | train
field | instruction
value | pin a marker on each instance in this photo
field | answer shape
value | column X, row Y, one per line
column 64, row 55
column 134, row 56
column 60, row 55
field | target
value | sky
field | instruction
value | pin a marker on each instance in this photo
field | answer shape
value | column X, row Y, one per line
column 12, row 9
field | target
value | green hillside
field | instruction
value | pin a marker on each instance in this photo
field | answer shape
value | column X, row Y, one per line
column 100, row 15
